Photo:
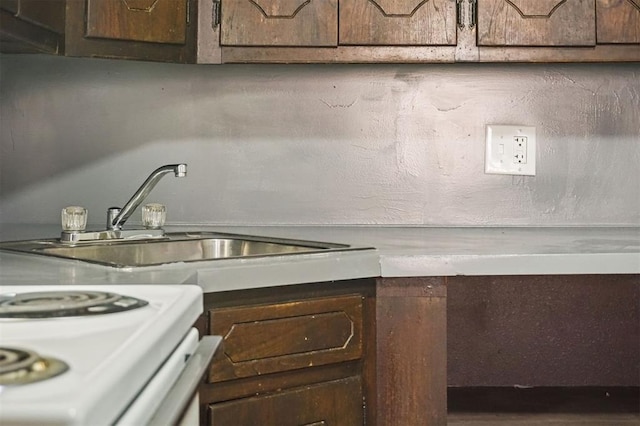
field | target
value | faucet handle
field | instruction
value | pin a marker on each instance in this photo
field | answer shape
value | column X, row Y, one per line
column 74, row 218
column 153, row 215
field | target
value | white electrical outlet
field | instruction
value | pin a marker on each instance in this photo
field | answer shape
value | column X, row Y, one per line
column 510, row 150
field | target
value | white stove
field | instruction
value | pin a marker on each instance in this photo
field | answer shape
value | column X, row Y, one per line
column 113, row 360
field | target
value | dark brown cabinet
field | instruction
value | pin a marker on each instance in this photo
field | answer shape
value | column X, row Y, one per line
column 293, row 355
column 32, row 26
column 397, row 22
column 336, row 403
column 272, row 338
column 318, row 23
column 279, row 23
column 557, row 30
column 155, row 30
column 152, row 21
column 536, row 23
column 326, row 31
column 618, row 21
column 449, row 31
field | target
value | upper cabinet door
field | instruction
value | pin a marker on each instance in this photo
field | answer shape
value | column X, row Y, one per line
column 28, row 26
column 398, row 22
column 536, row 23
column 279, row 23
column 155, row 21
column 618, row 21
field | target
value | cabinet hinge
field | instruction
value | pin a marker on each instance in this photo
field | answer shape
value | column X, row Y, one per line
column 215, row 13
column 188, row 12
column 466, row 16
column 473, row 16
column 460, row 13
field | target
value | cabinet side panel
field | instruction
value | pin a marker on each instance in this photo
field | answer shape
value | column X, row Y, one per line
column 411, row 352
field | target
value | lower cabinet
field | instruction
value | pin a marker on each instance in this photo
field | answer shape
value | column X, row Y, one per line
column 292, row 355
column 337, row 403
column 375, row 351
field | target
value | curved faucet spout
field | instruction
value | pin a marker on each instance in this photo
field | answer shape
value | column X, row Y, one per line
column 179, row 170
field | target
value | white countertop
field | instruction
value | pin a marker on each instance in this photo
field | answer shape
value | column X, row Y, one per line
column 400, row 252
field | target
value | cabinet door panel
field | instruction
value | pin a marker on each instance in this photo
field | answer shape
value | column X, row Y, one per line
column 398, row 22
column 279, row 23
column 264, row 339
column 618, row 21
column 155, row 21
column 336, row 403
column 43, row 13
column 29, row 26
column 536, row 23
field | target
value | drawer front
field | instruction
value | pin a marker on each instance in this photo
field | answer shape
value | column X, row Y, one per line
column 336, row 403
column 264, row 339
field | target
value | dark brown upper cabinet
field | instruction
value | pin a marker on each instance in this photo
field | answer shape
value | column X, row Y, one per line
column 304, row 355
column 557, row 31
column 151, row 21
column 397, row 22
column 618, row 21
column 326, row 31
column 156, row 30
column 32, row 26
column 315, row 23
column 419, row 31
column 536, row 23
column 279, row 23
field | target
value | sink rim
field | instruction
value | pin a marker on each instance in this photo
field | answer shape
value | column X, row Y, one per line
column 43, row 247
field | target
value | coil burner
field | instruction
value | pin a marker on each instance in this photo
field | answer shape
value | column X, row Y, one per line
column 21, row 367
column 67, row 303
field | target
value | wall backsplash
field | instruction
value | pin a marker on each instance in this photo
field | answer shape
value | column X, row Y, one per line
column 318, row 144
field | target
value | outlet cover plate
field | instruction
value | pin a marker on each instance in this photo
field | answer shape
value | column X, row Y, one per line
column 510, row 150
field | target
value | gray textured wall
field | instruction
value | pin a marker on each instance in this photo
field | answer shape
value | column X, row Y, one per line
column 348, row 144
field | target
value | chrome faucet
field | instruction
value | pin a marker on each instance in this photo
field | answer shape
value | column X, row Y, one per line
column 117, row 217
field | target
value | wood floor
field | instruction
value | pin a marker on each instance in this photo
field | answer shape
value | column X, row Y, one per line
column 544, row 406
column 504, row 419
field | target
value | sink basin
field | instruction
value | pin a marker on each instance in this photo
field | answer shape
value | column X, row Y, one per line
column 174, row 247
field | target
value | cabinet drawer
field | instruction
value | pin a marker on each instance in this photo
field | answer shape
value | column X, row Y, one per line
column 337, row 403
column 264, row 339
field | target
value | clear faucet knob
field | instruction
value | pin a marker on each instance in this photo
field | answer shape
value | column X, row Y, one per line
column 153, row 215
column 74, row 218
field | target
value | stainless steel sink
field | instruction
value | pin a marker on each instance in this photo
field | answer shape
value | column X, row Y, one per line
column 174, row 247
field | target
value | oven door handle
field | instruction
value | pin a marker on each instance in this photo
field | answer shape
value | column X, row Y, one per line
column 177, row 400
